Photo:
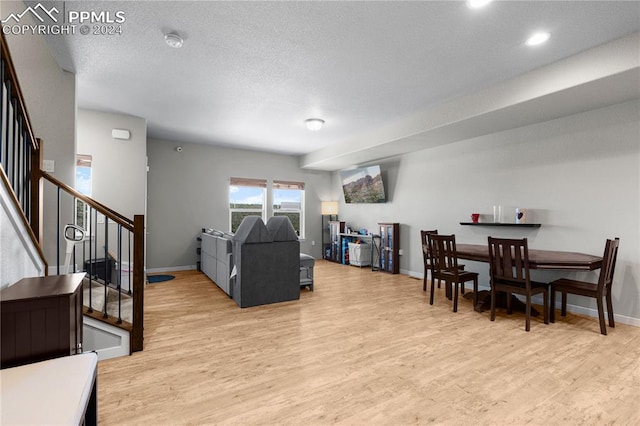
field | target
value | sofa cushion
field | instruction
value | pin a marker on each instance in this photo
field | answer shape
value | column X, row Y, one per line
column 306, row 261
column 252, row 230
column 281, row 229
column 223, row 246
column 212, row 231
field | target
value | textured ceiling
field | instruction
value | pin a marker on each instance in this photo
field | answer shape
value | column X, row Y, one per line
column 250, row 73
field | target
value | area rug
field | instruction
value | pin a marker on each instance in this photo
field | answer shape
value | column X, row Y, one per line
column 152, row 279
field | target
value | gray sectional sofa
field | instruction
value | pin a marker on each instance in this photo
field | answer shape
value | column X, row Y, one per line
column 267, row 262
column 306, row 270
column 258, row 265
column 216, row 259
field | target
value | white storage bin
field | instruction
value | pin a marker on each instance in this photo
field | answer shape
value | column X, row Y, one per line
column 359, row 254
column 126, row 283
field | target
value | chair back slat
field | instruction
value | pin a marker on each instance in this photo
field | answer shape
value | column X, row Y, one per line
column 608, row 265
column 424, row 237
column 509, row 260
column 520, row 259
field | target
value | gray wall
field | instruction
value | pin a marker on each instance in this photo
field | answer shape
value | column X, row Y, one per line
column 189, row 190
column 50, row 95
column 578, row 176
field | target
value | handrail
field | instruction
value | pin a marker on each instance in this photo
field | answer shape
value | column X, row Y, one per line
column 16, row 203
column 12, row 77
column 110, row 213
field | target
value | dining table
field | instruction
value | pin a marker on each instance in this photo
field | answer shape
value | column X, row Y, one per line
column 538, row 259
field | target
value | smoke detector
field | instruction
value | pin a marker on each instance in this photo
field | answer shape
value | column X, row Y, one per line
column 173, row 40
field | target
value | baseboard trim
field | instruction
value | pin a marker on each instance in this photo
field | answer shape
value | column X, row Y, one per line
column 591, row 312
column 594, row 313
column 172, row 268
column 412, row 274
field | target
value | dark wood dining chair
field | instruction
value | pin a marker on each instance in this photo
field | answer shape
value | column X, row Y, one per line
column 599, row 290
column 444, row 264
column 509, row 271
column 426, row 256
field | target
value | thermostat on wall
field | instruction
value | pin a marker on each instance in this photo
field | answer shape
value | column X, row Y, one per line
column 48, row 166
column 120, row 134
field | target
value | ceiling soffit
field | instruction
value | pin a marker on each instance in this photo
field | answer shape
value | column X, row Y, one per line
column 597, row 78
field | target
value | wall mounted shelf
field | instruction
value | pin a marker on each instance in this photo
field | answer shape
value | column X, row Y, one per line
column 523, row 225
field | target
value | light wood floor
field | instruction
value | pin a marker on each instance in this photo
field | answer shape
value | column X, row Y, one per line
column 364, row 348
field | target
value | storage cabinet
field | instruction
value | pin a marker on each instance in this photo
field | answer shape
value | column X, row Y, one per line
column 41, row 318
column 335, row 241
column 326, row 236
column 390, row 247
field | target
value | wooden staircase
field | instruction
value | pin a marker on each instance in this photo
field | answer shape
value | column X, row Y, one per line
column 21, row 159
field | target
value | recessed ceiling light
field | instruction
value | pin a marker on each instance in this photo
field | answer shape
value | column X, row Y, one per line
column 173, row 40
column 477, row 4
column 538, row 38
column 314, row 124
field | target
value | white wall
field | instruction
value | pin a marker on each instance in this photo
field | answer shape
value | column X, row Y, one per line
column 118, row 166
column 189, row 190
column 20, row 257
column 578, row 176
column 50, row 97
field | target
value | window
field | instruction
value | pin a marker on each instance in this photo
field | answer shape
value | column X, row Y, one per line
column 83, row 186
column 288, row 200
column 246, row 198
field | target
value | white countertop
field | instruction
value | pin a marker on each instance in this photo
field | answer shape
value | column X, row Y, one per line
column 53, row 392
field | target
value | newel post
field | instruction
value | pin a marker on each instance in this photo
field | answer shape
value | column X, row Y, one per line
column 137, row 336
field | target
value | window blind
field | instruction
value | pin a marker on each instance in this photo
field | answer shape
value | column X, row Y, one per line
column 256, row 183
column 83, row 160
column 282, row 184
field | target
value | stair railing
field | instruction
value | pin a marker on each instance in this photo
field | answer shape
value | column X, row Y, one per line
column 112, row 254
column 20, row 151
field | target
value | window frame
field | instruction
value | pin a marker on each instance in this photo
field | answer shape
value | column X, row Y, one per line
column 81, row 209
column 292, row 186
column 247, row 183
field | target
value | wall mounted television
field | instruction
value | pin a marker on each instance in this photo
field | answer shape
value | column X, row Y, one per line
column 363, row 185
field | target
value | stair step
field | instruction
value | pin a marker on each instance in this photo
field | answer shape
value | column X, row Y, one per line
column 97, row 301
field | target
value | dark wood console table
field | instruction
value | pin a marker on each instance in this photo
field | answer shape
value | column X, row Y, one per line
column 41, row 319
column 538, row 259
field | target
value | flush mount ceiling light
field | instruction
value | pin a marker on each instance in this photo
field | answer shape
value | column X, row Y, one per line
column 538, row 38
column 173, row 40
column 477, row 4
column 314, row 124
